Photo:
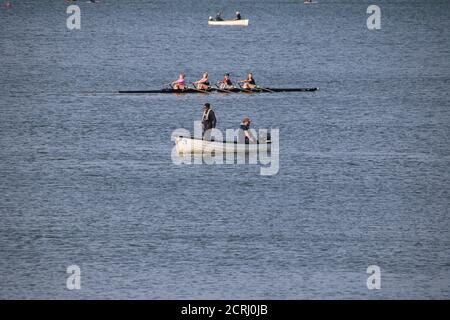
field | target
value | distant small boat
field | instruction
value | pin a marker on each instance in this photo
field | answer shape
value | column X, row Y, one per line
column 190, row 145
column 242, row 23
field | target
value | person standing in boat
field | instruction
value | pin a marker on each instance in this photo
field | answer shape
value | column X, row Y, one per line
column 209, row 120
column 203, row 83
column 238, row 15
column 245, row 134
column 249, row 83
column 226, row 83
column 179, row 84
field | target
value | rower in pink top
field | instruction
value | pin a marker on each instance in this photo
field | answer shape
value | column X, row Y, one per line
column 179, row 84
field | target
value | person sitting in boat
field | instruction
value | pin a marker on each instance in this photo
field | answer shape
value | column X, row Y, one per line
column 248, row 83
column 226, row 83
column 179, row 84
column 245, row 128
column 218, row 17
column 209, row 120
column 203, row 83
column 238, row 15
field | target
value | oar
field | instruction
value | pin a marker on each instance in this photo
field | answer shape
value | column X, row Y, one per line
column 245, row 90
column 265, row 89
column 194, row 88
column 223, row 90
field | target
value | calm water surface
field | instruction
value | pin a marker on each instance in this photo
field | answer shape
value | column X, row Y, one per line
column 87, row 177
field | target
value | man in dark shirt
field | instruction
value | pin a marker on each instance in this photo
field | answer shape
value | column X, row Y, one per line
column 238, row 15
column 209, row 120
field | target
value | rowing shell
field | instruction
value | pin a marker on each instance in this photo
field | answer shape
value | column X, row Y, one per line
column 234, row 90
column 185, row 145
column 242, row 23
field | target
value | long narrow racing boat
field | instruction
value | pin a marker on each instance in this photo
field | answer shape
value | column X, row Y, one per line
column 191, row 145
column 233, row 90
column 242, row 23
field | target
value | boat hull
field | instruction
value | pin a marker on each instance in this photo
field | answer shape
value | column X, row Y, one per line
column 186, row 145
column 242, row 23
column 234, row 90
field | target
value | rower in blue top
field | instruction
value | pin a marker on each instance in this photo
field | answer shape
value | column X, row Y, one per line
column 245, row 135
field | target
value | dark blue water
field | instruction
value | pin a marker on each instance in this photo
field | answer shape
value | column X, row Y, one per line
column 87, row 177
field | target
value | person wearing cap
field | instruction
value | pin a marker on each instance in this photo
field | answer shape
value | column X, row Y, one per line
column 209, row 120
column 245, row 127
column 226, row 83
column 238, row 15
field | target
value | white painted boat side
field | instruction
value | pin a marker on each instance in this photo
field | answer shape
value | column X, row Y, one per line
column 197, row 146
column 243, row 22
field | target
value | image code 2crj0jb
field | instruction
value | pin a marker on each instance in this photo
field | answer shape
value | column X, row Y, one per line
column 224, row 150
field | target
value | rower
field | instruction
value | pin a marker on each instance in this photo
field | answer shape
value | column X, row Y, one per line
column 238, row 15
column 219, row 16
column 248, row 83
column 209, row 120
column 203, row 83
column 226, row 83
column 245, row 127
column 179, row 84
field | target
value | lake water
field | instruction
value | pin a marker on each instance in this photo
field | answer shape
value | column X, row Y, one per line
column 87, row 176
